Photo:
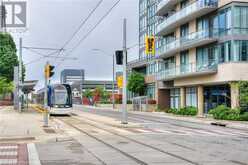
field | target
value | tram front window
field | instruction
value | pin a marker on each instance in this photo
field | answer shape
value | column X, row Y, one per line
column 60, row 98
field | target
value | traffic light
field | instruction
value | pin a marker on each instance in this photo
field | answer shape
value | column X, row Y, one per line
column 150, row 45
column 49, row 71
column 119, row 57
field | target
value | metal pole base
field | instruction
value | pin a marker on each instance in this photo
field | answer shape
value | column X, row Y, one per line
column 124, row 122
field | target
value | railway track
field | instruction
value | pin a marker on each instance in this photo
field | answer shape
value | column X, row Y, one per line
column 138, row 161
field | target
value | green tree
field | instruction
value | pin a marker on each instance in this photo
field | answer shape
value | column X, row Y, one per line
column 87, row 93
column 136, row 83
column 8, row 57
column 5, row 86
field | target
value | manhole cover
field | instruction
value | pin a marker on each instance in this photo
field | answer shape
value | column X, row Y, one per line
column 49, row 130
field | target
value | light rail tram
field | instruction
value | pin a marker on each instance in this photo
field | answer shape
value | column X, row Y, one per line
column 59, row 99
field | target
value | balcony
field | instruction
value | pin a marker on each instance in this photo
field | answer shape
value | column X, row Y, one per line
column 189, row 70
column 190, row 41
column 192, row 11
column 165, row 5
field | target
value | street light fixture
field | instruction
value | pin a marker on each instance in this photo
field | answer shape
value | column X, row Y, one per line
column 113, row 67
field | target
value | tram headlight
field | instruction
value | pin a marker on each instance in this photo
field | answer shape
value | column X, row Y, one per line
column 56, row 106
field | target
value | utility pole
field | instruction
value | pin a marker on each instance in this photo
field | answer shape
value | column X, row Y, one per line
column 20, row 76
column 45, row 113
column 113, row 83
column 124, row 93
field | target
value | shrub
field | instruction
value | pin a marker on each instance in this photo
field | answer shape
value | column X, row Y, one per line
column 129, row 102
column 225, row 113
column 187, row 111
column 244, row 116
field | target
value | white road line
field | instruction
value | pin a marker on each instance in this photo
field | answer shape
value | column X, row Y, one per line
column 11, row 153
column 33, row 156
column 202, row 132
column 143, row 131
column 8, row 161
column 8, row 147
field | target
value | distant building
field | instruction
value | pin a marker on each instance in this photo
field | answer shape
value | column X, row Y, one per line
column 93, row 84
column 74, row 77
column 70, row 76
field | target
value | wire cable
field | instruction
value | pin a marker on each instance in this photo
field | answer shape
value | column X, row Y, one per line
column 82, row 24
column 89, row 32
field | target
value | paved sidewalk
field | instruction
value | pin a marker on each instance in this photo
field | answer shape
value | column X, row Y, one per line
column 243, row 125
column 24, row 141
column 13, row 154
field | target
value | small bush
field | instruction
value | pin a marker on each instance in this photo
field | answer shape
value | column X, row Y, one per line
column 187, row 111
column 129, row 102
column 244, row 116
column 223, row 112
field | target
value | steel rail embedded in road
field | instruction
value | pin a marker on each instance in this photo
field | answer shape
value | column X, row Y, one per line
column 128, row 138
column 103, row 142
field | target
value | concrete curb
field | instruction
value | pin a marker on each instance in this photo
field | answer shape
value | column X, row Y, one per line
column 207, row 121
column 33, row 156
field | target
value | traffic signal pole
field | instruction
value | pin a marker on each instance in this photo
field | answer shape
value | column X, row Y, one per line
column 45, row 113
column 20, row 83
column 113, row 83
column 124, row 93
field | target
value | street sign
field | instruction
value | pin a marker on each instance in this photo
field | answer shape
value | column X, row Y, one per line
column 120, row 81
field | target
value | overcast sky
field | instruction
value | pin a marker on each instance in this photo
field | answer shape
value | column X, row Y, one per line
column 52, row 22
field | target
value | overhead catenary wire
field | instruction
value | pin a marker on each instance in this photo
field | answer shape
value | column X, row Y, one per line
column 92, row 29
column 80, row 26
column 40, row 58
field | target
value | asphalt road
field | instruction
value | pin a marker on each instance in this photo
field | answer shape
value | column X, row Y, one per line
column 169, row 141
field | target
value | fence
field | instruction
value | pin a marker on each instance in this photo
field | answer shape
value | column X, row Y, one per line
column 140, row 103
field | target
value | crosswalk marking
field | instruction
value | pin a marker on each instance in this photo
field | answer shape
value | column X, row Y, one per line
column 14, row 153
column 8, row 147
column 8, row 161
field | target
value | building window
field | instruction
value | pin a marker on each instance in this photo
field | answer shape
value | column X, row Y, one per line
column 222, row 23
column 240, row 51
column 241, row 20
column 150, row 91
column 175, row 98
column 184, row 3
column 191, row 97
column 225, row 52
column 184, row 30
column 184, row 61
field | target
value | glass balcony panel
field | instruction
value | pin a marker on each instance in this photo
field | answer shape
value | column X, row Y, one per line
column 188, row 69
column 188, row 12
column 191, row 40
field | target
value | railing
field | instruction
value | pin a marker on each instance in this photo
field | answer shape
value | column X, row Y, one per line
column 189, row 39
column 162, row 3
column 191, row 68
column 200, row 4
